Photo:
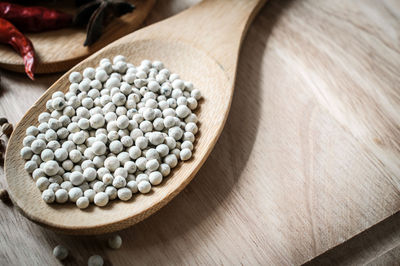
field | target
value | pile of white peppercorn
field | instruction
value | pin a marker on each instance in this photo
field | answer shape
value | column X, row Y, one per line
column 118, row 130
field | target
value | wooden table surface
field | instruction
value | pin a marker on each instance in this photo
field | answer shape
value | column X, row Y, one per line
column 309, row 158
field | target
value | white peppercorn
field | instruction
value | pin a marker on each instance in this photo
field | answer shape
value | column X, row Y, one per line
column 176, row 151
column 124, row 194
column 191, row 127
column 97, row 121
column 196, row 94
column 185, row 154
column 38, row 173
column 102, row 171
column 60, row 252
column 164, row 169
column 98, row 161
column 175, row 132
column 141, row 142
column 111, row 163
column 101, row 199
column 38, row 146
column 135, row 133
column 99, row 186
column 42, row 183
column 32, row 131
column 36, row 158
column 74, row 194
column 95, row 260
column 187, row 145
column 26, row 153
column 41, row 136
column 115, row 241
column 119, row 182
column 162, row 150
column 30, row 166
column 89, row 194
column 188, row 136
column 155, row 178
column 79, row 137
column 51, row 168
column 111, row 192
column 90, row 174
column 75, row 156
column 144, row 186
column 171, row 160
column 170, row 142
column 132, row 185
column 54, row 186
column 141, row 177
column 130, row 167
column 67, row 165
column 43, row 117
column 58, row 103
column 48, row 196
column 141, row 163
column 82, row 202
column 152, row 165
column 99, row 148
column 76, row 178
column 107, row 179
column 56, row 179
column 53, row 122
column 47, row 155
column 27, row 141
column 67, row 185
column 152, row 154
column 116, row 146
column 156, row 138
column 75, row 77
column 61, row 195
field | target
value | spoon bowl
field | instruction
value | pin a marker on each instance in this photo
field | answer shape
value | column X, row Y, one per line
column 213, row 75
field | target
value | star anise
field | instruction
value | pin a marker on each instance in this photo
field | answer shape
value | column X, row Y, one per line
column 97, row 13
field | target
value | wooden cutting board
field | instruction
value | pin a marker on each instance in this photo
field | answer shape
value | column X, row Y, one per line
column 309, row 156
column 59, row 50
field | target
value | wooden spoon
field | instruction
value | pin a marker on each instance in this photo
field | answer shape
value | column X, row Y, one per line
column 202, row 45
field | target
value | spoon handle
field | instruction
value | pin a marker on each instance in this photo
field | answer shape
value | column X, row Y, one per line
column 214, row 26
column 218, row 27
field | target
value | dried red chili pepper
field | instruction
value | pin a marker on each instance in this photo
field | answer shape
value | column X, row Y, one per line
column 34, row 18
column 11, row 35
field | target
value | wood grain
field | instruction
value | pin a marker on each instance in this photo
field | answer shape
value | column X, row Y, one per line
column 289, row 177
column 379, row 245
column 59, row 50
column 208, row 67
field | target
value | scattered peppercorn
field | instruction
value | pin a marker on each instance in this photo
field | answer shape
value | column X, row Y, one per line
column 95, row 260
column 60, row 252
column 115, row 242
